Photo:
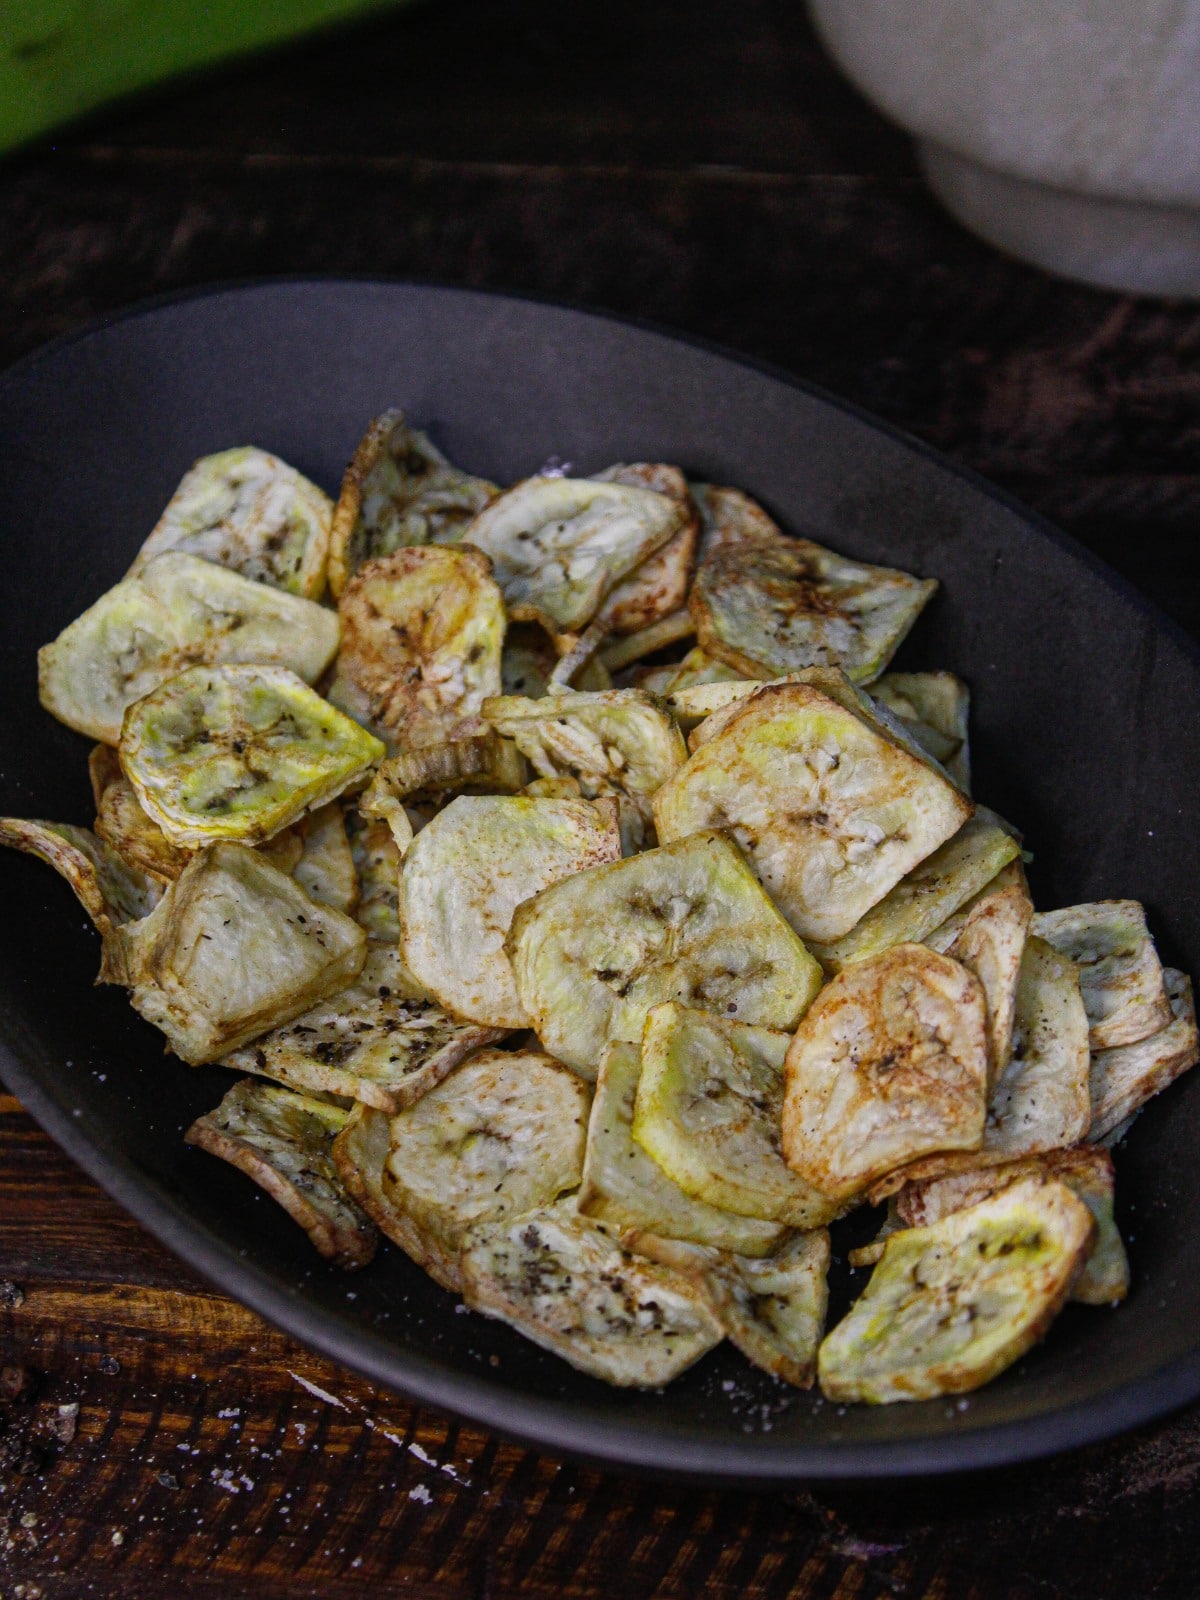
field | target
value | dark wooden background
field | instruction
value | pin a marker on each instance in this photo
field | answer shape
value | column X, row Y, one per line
column 701, row 165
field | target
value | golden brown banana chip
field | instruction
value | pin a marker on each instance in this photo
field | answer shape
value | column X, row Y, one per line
column 831, row 810
column 888, row 1064
column 564, row 1282
column 1086, row 1170
column 952, row 1305
column 624, row 650
column 381, row 1040
column 685, row 922
column 625, row 1187
column 465, row 874
column 1124, row 1078
column 399, row 490
column 768, row 604
column 234, row 948
column 238, row 753
column 122, row 823
column 559, row 546
column 1040, row 1101
column 283, row 1141
column 934, row 707
column 109, row 889
column 773, row 1308
column 422, row 633
column 658, row 588
column 377, row 864
column 325, row 870
column 622, row 742
column 502, row 1134
column 708, row 1109
column 1119, row 970
column 178, row 612
column 249, row 511
column 935, row 888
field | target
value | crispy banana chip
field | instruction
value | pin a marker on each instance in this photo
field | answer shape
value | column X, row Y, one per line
column 1040, row 1101
column 952, row 1305
column 564, row 1282
column 935, row 888
column 768, row 604
column 991, row 944
column 399, row 490
column 422, row 633
column 773, row 1309
column 657, row 590
column 1124, row 1078
column 624, row 1187
column 831, row 810
column 503, row 1134
column 1086, row 1170
column 467, row 872
column 708, row 1110
column 559, row 546
column 238, row 753
column 178, row 612
column 934, row 707
column 621, row 742
column 249, row 511
column 377, row 865
column 111, row 891
column 483, row 760
column 122, row 823
column 234, row 948
column 1119, row 970
column 380, row 1040
column 325, row 870
column 624, row 650
column 360, row 1154
column 685, row 922
column 283, row 1141
column 889, row 1063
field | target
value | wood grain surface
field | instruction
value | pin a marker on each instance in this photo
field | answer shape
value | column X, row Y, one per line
column 703, row 166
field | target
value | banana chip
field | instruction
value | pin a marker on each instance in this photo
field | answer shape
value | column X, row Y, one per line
column 563, row 1282
column 325, row 870
column 773, row 1309
column 658, row 589
column 436, row 770
column 233, row 948
column 624, row 650
column 621, row 742
column 1124, row 1078
column 1040, row 1101
column 1086, row 1171
column 559, row 546
column 399, row 490
column 503, row 1134
column 831, row 810
column 178, row 612
column 122, row 823
column 283, row 1141
column 768, row 604
column 889, row 1063
column 991, row 944
column 360, row 1154
column 467, row 872
column 685, row 922
column 1119, row 970
column 111, row 891
column 380, row 1040
column 952, row 1305
column 238, row 753
column 422, row 634
column 624, row 1187
column 708, row 1110
column 934, row 707
column 249, row 511
column 376, row 860
column 954, row 873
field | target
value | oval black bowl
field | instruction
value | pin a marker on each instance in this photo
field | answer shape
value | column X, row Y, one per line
column 1085, row 733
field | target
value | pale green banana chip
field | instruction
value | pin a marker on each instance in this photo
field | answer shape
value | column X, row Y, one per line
column 773, row 1308
column 934, row 707
column 325, row 870
column 1123, row 1078
column 1119, row 969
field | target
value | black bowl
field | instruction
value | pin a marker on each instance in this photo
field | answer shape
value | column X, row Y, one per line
column 1085, row 733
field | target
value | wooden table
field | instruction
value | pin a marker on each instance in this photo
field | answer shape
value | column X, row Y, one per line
column 707, row 168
